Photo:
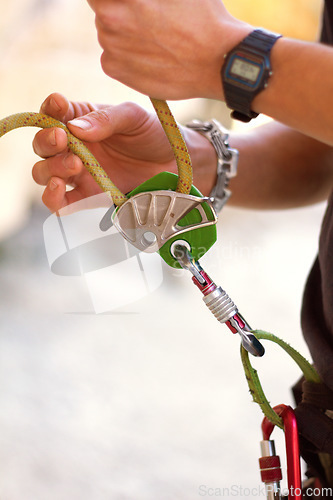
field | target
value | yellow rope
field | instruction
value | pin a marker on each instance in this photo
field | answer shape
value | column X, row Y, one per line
column 39, row 120
column 94, row 168
column 177, row 143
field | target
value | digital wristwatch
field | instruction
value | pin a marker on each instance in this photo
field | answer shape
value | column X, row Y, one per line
column 246, row 71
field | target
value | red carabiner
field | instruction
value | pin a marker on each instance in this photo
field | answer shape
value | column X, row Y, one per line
column 292, row 448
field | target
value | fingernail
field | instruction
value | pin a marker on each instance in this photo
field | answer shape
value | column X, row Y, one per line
column 50, row 103
column 80, row 123
column 54, row 104
column 52, row 138
column 53, row 185
column 68, row 161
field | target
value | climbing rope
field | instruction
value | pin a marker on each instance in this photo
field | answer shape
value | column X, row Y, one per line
column 43, row 121
column 92, row 165
column 177, row 144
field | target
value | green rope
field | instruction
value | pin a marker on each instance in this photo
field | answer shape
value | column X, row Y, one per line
column 253, row 380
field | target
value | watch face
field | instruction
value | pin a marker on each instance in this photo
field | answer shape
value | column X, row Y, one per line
column 244, row 69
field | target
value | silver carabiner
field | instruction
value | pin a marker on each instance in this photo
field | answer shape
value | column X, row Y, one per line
column 217, row 300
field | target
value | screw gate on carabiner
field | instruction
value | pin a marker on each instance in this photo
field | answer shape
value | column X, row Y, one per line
column 217, row 300
column 270, row 467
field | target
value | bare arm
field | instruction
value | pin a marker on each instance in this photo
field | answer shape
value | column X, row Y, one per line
column 278, row 167
column 175, row 50
column 300, row 92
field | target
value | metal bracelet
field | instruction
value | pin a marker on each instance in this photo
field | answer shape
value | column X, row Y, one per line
column 227, row 159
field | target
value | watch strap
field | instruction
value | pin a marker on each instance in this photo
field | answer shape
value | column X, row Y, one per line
column 258, row 42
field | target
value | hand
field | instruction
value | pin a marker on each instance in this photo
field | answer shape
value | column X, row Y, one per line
column 129, row 143
column 167, row 50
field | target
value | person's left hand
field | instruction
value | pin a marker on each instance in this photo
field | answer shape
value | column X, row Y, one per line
column 128, row 142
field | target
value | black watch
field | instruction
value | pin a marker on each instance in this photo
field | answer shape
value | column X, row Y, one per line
column 246, row 71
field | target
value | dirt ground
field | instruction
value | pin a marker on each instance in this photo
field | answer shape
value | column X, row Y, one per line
column 147, row 401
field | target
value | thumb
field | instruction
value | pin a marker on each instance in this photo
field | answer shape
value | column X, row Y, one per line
column 100, row 124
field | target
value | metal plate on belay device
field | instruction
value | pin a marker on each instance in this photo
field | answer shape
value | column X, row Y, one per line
column 156, row 216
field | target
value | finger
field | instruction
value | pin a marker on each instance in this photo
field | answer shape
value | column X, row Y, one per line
column 60, row 108
column 54, row 196
column 49, row 142
column 55, row 105
column 102, row 123
column 66, row 166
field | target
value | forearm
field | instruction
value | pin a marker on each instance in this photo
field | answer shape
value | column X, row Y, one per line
column 278, row 167
column 300, row 91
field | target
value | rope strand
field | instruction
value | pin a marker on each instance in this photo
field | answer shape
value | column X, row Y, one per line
column 92, row 165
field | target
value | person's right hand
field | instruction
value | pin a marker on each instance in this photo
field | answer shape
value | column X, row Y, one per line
column 170, row 49
column 128, row 142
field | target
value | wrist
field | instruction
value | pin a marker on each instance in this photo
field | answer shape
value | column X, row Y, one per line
column 227, row 159
column 263, row 101
column 204, row 158
column 230, row 34
column 246, row 72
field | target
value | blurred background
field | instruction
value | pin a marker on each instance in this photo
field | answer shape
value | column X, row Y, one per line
column 149, row 401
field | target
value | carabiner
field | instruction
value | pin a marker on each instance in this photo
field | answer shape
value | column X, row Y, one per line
column 216, row 299
column 270, row 475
